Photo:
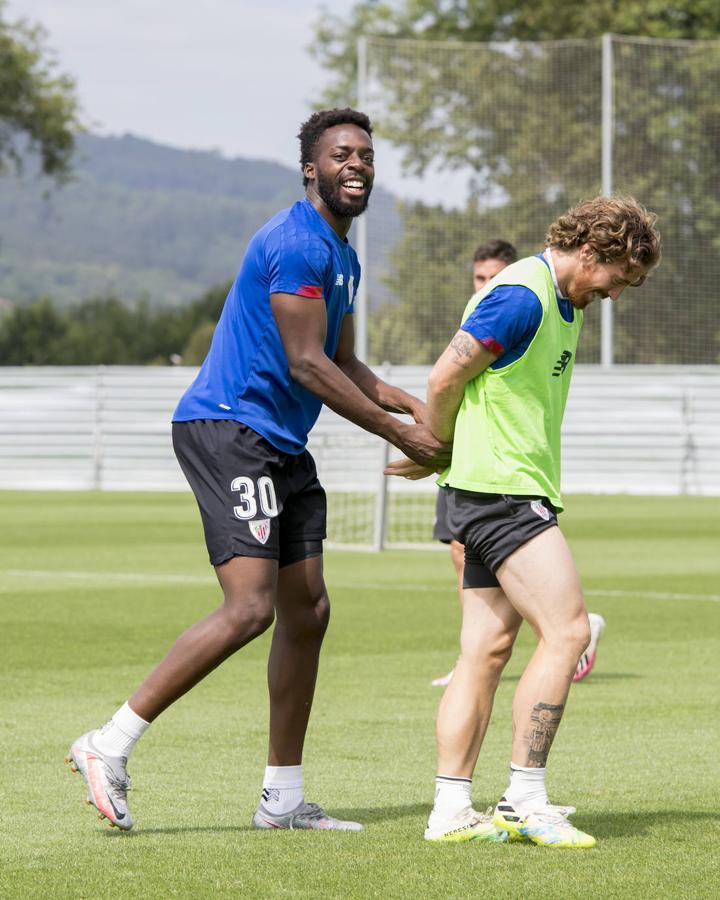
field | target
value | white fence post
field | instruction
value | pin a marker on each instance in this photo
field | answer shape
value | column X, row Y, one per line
column 381, row 500
column 361, row 305
column 608, row 123
column 98, row 428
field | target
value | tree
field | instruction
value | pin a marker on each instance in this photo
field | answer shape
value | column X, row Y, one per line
column 335, row 47
column 39, row 109
column 106, row 331
column 29, row 335
column 521, row 121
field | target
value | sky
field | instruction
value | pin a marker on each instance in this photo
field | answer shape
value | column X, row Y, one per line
column 227, row 75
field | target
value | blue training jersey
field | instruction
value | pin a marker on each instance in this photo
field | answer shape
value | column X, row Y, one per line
column 507, row 318
column 245, row 375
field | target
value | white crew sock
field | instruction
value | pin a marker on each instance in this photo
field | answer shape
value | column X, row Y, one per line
column 452, row 796
column 120, row 734
column 282, row 789
column 527, row 788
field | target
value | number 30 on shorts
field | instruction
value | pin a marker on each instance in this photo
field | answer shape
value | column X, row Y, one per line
column 249, row 497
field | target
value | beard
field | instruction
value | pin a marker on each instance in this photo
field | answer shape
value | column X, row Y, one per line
column 329, row 191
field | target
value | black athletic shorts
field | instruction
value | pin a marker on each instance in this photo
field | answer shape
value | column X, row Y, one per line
column 441, row 532
column 254, row 499
column 492, row 526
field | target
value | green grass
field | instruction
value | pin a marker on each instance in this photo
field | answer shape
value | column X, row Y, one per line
column 84, row 613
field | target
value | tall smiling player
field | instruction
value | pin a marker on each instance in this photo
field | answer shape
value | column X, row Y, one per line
column 284, row 345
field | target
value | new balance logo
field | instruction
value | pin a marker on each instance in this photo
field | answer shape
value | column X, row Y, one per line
column 339, row 280
column 561, row 364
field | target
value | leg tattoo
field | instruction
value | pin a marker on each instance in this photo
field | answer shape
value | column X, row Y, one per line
column 544, row 722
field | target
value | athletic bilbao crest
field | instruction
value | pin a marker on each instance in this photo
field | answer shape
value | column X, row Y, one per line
column 260, row 530
column 538, row 508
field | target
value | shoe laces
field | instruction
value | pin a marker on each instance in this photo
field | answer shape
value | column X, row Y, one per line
column 473, row 817
column 563, row 810
column 312, row 811
column 121, row 784
column 553, row 815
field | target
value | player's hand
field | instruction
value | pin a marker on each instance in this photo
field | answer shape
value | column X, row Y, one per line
column 419, row 412
column 421, row 445
column 406, row 468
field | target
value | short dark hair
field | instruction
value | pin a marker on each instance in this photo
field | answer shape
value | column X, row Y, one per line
column 319, row 122
column 496, row 249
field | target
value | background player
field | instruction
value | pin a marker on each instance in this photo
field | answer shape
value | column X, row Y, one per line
column 283, row 346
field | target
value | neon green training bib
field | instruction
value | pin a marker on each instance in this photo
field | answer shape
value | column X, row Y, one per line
column 507, row 431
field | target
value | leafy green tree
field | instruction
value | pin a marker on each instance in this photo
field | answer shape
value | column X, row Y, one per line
column 29, row 335
column 521, row 120
column 335, row 46
column 106, row 331
column 38, row 105
column 198, row 344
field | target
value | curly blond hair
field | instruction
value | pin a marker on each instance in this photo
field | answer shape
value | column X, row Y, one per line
column 616, row 229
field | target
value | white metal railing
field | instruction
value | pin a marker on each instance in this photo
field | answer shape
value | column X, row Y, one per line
column 628, row 429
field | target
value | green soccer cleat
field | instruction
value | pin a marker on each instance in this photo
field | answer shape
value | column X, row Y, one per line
column 468, row 825
column 547, row 827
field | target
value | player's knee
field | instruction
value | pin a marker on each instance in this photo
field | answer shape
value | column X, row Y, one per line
column 322, row 612
column 579, row 634
column 488, row 650
column 309, row 621
column 248, row 618
column 315, row 623
column 569, row 640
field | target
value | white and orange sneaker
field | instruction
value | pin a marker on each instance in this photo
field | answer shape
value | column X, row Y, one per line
column 106, row 778
column 587, row 660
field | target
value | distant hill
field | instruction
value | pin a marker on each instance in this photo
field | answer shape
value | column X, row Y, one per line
column 144, row 220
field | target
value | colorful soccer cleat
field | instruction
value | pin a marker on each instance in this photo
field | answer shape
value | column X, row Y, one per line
column 587, row 660
column 305, row 816
column 468, row 825
column 547, row 827
column 106, row 778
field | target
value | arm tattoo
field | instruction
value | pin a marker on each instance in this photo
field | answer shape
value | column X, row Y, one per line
column 544, row 722
column 463, row 346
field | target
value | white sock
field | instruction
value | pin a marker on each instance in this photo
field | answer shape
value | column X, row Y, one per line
column 527, row 788
column 452, row 796
column 121, row 733
column 282, row 789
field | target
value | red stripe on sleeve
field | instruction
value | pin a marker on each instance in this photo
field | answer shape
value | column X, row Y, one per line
column 310, row 290
column 493, row 346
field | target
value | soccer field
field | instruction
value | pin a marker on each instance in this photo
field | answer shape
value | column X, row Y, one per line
column 94, row 587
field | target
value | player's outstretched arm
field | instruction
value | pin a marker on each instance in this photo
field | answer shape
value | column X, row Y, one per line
column 392, row 399
column 302, row 325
